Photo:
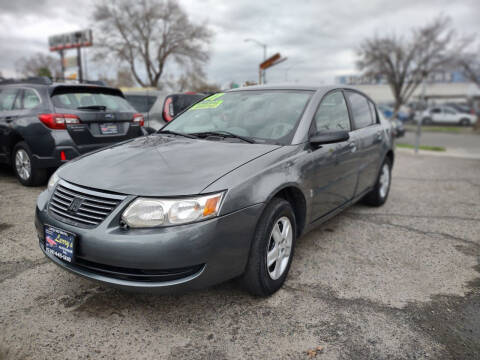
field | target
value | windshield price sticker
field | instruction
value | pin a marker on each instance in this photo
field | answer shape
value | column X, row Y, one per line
column 211, row 102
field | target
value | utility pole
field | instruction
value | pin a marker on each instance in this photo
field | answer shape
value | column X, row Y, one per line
column 262, row 77
column 419, row 122
column 79, row 63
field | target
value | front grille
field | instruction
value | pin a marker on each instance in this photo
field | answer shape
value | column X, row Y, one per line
column 79, row 206
column 138, row 274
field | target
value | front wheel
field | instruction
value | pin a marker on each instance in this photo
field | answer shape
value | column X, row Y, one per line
column 272, row 249
column 379, row 193
column 465, row 122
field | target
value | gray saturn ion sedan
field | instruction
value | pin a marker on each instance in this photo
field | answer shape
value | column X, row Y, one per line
column 222, row 191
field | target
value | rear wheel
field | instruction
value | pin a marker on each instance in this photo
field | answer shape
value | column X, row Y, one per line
column 379, row 193
column 465, row 122
column 24, row 168
column 272, row 249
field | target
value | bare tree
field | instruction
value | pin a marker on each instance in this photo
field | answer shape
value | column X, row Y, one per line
column 195, row 80
column 406, row 62
column 39, row 65
column 148, row 34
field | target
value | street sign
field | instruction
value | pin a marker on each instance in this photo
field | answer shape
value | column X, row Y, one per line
column 270, row 61
column 71, row 40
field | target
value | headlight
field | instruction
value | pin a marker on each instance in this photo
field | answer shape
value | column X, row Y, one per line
column 53, row 181
column 148, row 212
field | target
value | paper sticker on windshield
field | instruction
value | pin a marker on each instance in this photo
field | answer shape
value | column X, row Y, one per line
column 211, row 102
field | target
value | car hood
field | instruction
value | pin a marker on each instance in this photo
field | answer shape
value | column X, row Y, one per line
column 160, row 165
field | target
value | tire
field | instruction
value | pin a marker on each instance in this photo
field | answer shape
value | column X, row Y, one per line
column 259, row 279
column 464, row 122
column 24, row 167
column 379, row 193
column 427, row 121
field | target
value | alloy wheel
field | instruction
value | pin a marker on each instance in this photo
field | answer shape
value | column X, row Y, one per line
column 23, row 164
column 279, row 247
column 384, row 180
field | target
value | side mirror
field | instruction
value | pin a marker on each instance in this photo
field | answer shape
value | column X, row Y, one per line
column 329, row 137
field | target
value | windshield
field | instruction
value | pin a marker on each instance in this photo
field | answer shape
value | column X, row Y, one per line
column 85, row 100
column 265, row 116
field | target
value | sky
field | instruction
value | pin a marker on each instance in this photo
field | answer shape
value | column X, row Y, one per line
column 318, row 38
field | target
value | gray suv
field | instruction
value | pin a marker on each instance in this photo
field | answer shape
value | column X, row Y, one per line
column 45, row 124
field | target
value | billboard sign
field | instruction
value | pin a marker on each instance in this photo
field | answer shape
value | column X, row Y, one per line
column 71, row 40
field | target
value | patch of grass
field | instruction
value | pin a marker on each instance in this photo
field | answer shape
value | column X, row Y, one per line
column 422, row 147
column 441, row 129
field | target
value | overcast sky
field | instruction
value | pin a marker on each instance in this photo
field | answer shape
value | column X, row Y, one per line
column 318, row 37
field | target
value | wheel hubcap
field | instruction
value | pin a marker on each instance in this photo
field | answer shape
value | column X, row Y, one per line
column 384, row 180
column 279, row 247
column 23, row 165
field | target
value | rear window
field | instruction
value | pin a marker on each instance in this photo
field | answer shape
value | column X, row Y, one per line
column 7, row 97
column 85, row 100
column 361, row 111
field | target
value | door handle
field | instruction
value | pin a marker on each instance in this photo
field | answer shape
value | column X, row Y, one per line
column 352, row 146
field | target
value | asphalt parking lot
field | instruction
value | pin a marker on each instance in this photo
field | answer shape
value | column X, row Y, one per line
column 397, row 282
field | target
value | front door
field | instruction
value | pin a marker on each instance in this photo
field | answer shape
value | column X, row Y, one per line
column 332, row 172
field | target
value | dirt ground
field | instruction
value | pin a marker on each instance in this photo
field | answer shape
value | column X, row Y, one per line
column 397, row 282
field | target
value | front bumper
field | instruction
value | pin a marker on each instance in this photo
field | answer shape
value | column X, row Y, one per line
column 207, row 252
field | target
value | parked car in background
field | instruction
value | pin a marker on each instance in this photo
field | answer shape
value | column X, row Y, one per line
column 461, row 107
column 446, row 115
column 166, row 108
column 222, row 191
column 388, row 113
column 45, row 124
column 398, row 128
column 160, row 107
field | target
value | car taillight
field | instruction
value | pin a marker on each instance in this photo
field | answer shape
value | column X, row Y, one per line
column 58, row 121
column 138, row 119
column 168, row 110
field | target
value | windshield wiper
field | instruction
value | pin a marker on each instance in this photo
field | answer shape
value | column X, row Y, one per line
column 176, row 133
column 93, row 107
column 225, row 134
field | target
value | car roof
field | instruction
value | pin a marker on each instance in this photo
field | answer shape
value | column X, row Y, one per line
column 301, row 87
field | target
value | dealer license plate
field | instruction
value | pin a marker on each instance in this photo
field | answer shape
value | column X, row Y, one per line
column 59, row 243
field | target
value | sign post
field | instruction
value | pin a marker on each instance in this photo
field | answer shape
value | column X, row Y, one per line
column 268, row 63
column 74, row 40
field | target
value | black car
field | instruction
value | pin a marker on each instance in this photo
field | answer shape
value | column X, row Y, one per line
column 222, row 191
column 44, row 124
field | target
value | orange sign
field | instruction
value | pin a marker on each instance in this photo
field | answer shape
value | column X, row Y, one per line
column 270, row 61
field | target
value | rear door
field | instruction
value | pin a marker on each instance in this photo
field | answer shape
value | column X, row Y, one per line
column 368, row 136
column 450, row 115
column 104, row 115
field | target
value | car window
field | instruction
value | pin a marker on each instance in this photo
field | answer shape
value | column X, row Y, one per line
column 436, row 111
column 449, row 111
column 73, row 100
column 265, row 115
column 362, row 116
column 7, row 97
column 373, row 112
column 30, row 99
column 332, row 114
column 141, row 103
